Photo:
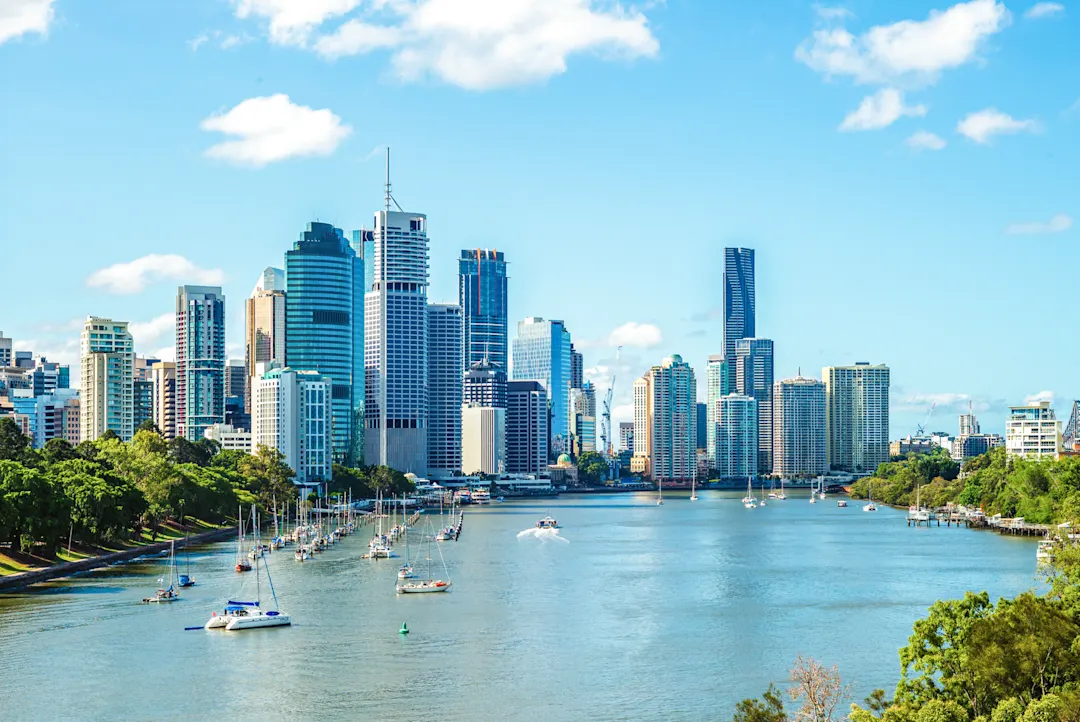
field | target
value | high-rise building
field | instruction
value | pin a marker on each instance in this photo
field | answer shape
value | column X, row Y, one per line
column 542, row 353
column 163, row 377
column 6, row 354
column 483, row 439
column 526, row 427
column 47, row 376
column 363, row 244
column 737, row 444
column 482, row 293
column 968, row 424
column 1033, row 431
column 665, row 422
column 324, row 327
column 739, row 309
column 626, row 436
column 577, row 368
column 799, row 428
column 200, row 359
column 444, row 390
column 396, row 349
column 143, row 388
column 716, row 385
column 235, row 378
column 753, row 376
column 702, row 424
column 264, row 326
column 107, row 395
column 485, row 385
column 582, row 420
column 856, row 417
column 291, row 411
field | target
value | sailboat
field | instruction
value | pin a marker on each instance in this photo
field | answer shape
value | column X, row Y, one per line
column 429, row 584
column 660, row 492
column 870, row 506
column 821, row 488
column 749, row 501
column 406, row 569
column 242, row 565
column 763, row 502
column 186, row 580
column 693, row 490
column 781, row 496
column 167, row 593
column 772, row 490
column 248, row 615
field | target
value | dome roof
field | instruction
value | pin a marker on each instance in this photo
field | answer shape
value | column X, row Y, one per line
column 564, row 459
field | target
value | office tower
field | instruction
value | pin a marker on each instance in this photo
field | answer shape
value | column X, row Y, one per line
column 236, row 393
column 665, row 422
column 526, row 427
column 47, row 376
column 264, row 325
column 968, row 424
column 324, row 327
column 737, row 444
column 799, row 428
column 396, row 350
column 107, row 393
column 45, row 415
column 541, row 353
column 482, row 284
column 738, row 298
column 626, row 436
column 200, row 359
column 292, row 411
column 485, row 385
column 716, row 385
column 6, row 355
column 582, row 420
column 363, row 244
column 702, row 424
column 444, row 390
column 577, row 368
column 1033, row 431
column 856, row 416
column 143, row 390
column 235, row 377
column 483, row 439
column 72, row 424
column 163, row 378
column 753, row 376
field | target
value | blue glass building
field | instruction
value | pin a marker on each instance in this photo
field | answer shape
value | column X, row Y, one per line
column 542, row 353
column 324, row 327
column 739, row 310
column 482, row 295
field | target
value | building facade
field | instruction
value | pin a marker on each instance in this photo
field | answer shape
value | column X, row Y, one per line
column 143, row 390
column 626, row 436
column 396, row 344
column 716, row 385
column 230, row 437
column 739, row 304
column 324, row 327
column 200, row 359
column 483, row 439
column 163, row 382
column 526, row 427
column 581, row 423
column 799, row 428
column 856, row 417
column 753, row 376
column 736, row 438
column 966, row 446
column 264, row 327
column 665, row 422
column 482, row 296
column 542, row 352
column 1033, row 431
column 444, row 390
column 107, row 397
column 577, row 368
column 292, row 411
column 485, row 385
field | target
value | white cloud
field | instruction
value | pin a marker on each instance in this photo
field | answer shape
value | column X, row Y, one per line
column 881, row 110
column 637, row 335
column 925, row 140
column 832, row 13
column 147, row 333
column 622, row 412
column 134, row 276
column 165, row 353
column 223, row 41
column 1058, row 224
column 983, row 125
column 18, row 17
column 1044, row 10
column 273, row 128
column 1040, row 396
column 910, row 50
column 474, row 44
column 196, row 43
column 944, row 403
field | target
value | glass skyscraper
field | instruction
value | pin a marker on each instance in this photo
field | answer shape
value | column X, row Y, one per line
column 324, row 327
column 753, row 376
column 482, row 284
column 200, row 359
column 542, row 353
column 738, row 299
column 444, row 390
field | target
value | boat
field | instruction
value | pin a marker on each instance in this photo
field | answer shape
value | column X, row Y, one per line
column 871, row 506
column 693, row 489
column 428, row 585
column 302, row 554
column 186, row 580
column 547, row 523
column 660, row 493
column 242, row 565
column 405, row 571
column 481, row 496
column 749, row 501
column 842, row 503
column 772, row 491
column 499, row 500
column 1044, row 553
column 167, row 593
column 763, row 502
column 781, row 496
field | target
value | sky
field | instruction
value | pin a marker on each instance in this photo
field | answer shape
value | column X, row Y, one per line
column 906, row 172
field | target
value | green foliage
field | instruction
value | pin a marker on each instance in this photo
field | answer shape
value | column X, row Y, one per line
column 268, row 477
column 896, row 482
column 937, row 710
column 592, row 467
column 1046, row 709
column 1007, row 710
column 770, row 708
column 14, row 444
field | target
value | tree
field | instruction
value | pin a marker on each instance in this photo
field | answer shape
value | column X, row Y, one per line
column 182, row 451
column 14, row 444
column 770, row 708
column 58, row 450
column 103, row 507
column 592, row 467
column 818, row 690
column 32, row 509
column 268, row 477
column 149, row 425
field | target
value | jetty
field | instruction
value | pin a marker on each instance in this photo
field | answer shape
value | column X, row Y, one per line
column 959, row 516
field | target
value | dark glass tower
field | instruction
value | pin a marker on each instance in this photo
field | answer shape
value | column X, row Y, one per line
column 738, row 298
column 482, row 284
column 324, row 327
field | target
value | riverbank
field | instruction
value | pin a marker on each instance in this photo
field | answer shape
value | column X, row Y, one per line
column 12, row 582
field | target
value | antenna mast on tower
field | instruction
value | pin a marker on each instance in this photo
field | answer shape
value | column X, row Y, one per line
column 389, row 195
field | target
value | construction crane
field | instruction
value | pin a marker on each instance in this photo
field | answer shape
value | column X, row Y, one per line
column 923, row 425
column 606, row 442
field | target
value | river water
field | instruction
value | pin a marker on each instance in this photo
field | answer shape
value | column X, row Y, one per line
column 641, row 612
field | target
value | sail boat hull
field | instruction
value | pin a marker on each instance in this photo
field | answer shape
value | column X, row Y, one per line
column 424, row 587
column 257, row 619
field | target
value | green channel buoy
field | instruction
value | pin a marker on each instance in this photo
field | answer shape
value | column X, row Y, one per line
column 404, row 628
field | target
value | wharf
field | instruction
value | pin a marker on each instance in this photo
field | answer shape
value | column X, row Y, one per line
column 974, row 519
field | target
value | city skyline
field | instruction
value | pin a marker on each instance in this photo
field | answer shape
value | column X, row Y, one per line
column 826, row 240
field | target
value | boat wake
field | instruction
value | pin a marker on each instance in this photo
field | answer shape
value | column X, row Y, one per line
column 543, row 535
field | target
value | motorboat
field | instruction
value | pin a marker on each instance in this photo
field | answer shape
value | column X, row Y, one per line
column 842, row 503
column 406, row 572
column 187, row 580
column 481, row 496
column 547, row 523
column 302, row 554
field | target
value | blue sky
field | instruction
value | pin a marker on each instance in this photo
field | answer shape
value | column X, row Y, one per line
column 907, row 172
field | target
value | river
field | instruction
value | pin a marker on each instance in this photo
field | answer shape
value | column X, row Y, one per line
column 642, row 612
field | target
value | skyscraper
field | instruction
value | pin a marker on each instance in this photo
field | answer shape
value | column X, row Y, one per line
column 396, row 343
column 665, row 422
column 200, row 359
column 526, row 427
column 483, row 439
column 107, row 399
column 799, row 428
column 753, row 376
column 582, row 419
column 292, row 412
column 736, row 437
column 856, row 416
column 702, row 424
column 968, row 424
column 715, row 387
column 363, row 244
column 626, row 436
column 577, row 368
column 264, row 327
column 324, row 327
column 143, row 394
column 237, row 404
column 485, row 385
column 163, row 377
column 482, row 293
column 738, row 298
column 542, row 353
column 444, row 389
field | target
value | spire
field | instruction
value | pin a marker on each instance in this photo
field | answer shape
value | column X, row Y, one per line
column 389, row 195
